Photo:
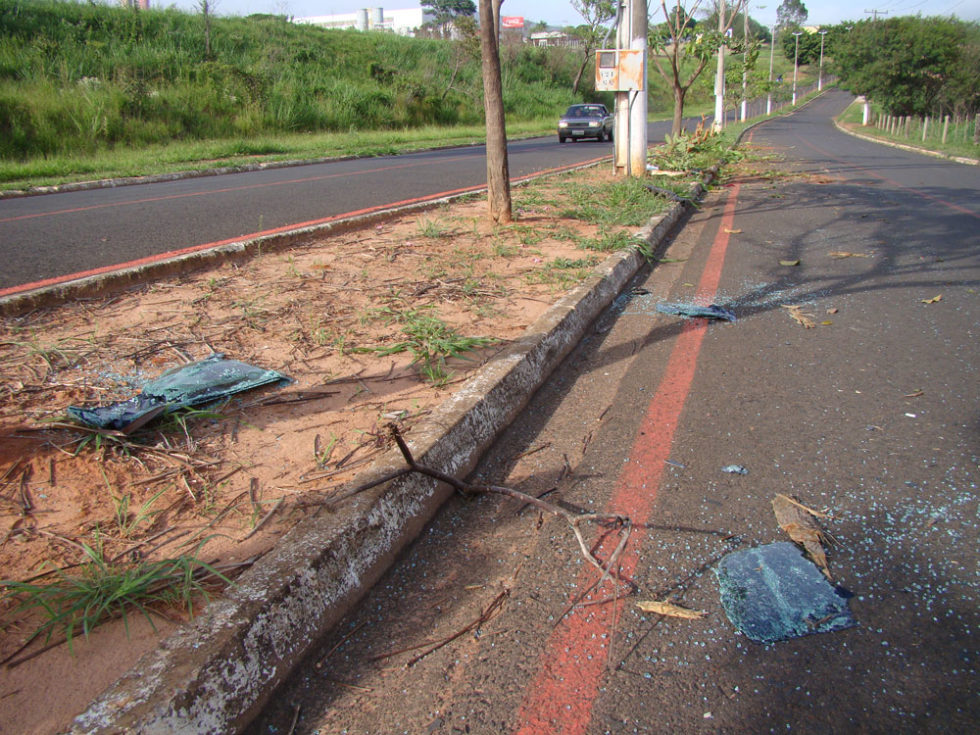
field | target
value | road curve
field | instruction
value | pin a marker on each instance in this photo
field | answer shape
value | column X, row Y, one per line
column 57, row 237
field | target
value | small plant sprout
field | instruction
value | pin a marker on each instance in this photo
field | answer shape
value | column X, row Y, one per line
column 431, row 341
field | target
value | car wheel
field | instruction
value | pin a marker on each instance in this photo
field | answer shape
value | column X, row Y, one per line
column 609, row 135
column 561, row 138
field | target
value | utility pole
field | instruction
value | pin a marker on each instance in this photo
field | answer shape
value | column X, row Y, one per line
column 719, row 121
column 796, row 62
column 874, row 13
column 631, row 106
column 772, row 47
column 745, row 58
column 820, row 74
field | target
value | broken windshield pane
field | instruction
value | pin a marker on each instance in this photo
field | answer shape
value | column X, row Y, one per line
column 773, row 593
column 195, row 384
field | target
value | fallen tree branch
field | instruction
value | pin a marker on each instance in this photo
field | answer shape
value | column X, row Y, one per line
column 574, row 520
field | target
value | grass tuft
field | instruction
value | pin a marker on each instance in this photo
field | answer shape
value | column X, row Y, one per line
column 100, row 590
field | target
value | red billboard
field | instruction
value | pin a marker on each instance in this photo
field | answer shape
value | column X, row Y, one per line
column 511, row 21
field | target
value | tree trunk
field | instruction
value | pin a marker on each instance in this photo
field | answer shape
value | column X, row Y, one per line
column 498, row 172
column 581, row 71
column 678, row 124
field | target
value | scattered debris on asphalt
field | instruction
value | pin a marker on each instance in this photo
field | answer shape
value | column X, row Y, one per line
column 773, row 593
column 734, row 469
column 798, row 522
column 789, row 263
column 796, row 313
column 670, row 610
column 844, row 254
column 712, row 311
column 195, row 384
column 934, row 300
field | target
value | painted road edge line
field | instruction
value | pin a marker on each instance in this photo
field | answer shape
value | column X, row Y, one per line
column 215, row 673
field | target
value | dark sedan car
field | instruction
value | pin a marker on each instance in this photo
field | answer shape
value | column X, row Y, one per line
column 585, row 121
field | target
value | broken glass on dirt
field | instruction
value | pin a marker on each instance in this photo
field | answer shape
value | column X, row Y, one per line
column 195, row 384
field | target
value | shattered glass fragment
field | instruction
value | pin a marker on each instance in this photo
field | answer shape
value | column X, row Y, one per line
column 713, row 311
column 195, row 384
column 773, row 593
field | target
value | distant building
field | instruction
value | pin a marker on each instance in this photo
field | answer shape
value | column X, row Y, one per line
column 402, row 22
column 553, row 38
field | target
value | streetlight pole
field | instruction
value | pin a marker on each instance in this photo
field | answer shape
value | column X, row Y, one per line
column 796, row 62
column 745, row 57
column 820, row 75
column 772, row 47
column 719, row 121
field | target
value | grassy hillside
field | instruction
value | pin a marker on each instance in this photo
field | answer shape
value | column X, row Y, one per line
column 78, row 77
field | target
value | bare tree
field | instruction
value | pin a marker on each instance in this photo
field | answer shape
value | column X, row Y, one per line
column 498, row 171
column 595, row 13
column 207, row 10
column 674, row 43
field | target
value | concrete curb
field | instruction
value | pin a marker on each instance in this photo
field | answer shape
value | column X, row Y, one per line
column 912, row 148
column 215, row 674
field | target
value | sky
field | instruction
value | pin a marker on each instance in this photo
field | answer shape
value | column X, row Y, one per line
column 561, row 13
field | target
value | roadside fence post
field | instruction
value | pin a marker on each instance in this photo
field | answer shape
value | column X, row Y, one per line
column 976, row 130
column 945, row 128
column 925, row 127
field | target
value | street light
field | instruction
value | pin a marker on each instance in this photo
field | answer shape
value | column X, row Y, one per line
column 820, row 75
column 796, row 62
column 772, row 46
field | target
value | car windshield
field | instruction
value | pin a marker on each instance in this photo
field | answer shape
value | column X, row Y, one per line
column 584, row 111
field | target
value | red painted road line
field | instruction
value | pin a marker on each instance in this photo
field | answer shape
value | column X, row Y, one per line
column 11, row 290
column 561, row 696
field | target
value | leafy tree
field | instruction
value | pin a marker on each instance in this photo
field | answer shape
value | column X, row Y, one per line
column 446, row 11
column 912, row 65
column 595, row 13
column 809, row 46
column 791, row 13
column 678, row 57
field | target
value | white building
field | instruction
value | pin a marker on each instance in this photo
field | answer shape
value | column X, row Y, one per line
column 402, row 22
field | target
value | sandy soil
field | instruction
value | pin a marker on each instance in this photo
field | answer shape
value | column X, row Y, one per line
column 221, row 485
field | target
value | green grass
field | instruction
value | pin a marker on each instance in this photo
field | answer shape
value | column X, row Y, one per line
column 562, row 273
column 431, row 342
column 99, row 590
column 626, row 202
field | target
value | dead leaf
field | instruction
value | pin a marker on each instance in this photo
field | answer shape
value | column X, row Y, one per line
column 935, row 299
column 832, row 311
column 798, row 522
column 796, row 312
column 670, row 610
column 733, row 232
column 789, row 262
column 915, row 394
column 826, row 323
column 845, row 254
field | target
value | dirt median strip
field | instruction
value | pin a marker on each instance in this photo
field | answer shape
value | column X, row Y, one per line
column 216, row 672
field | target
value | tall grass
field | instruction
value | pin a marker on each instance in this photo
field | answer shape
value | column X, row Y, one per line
column 82, row 77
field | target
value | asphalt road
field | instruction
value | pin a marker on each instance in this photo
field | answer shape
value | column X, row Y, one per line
column 59, row 235
column 871, row 414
